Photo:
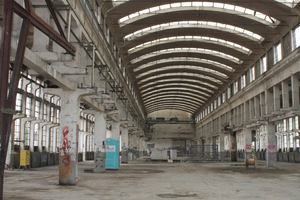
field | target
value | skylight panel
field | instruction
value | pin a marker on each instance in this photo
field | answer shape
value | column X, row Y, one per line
column 146, row 11
column 207, row 4
column 153, row 9
column 186, row 4
column 239, row 9
column 219, row 5
column 198, row 4
column 175, row 5
column 165, row 6
column 133, row 15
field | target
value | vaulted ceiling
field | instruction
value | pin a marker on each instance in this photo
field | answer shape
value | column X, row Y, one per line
column 183, row 54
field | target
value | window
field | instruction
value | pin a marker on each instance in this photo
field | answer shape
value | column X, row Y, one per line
column 291, row 140
column 45, row 112
column 297, row 140
column 51, row 140
column 27, row 133
column 243, row 81
column 219, row 100
column 284, row 141
column 51, row 114
column 17, row 131
column 252, row 74
column 29, row 88
column 223, row 97
column 290, row 124
column 19, row 102
column 37, row 109
column 297, row 37
column 44, row 136
column 28, row 107
column 57, row 116
column 296, row 122
column 278, row 53
column 284, row 125
column 36, row 134
column 38, row 92
column 58, row 102
column 228, row 93
column 20, row 85
column 279, row 142
column 263, row 66
column 235, row 87
column 57, row 140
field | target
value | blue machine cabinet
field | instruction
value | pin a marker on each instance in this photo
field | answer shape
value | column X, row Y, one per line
column 112, row 154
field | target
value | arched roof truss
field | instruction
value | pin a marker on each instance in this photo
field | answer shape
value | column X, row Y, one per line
column 181, row 55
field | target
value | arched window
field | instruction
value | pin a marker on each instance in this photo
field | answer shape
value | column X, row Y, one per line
column 27, row 135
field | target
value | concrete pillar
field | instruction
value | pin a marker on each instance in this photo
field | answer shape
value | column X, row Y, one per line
column 269, row 102
column 233, row 147
column 295, row 90
column 70, row 120
column 124, row 145
column 271, row 146
column 222, row 147
column 262, row 104
column 246, row 112
column 248, row 142
column 285, row 94
column 256, row 107
column 99, row 141
column 251, row 108
column 276, row 98
column 115, row 130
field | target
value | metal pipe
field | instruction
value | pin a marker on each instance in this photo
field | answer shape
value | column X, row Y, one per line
column 69, row 24
column 93, row 67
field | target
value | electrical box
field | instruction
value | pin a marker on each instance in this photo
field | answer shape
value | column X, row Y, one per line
column 24, row 157
column 112, row 154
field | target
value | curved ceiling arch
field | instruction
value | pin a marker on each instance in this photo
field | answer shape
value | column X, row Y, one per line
column 195, row 24
column 203, row 6
column 206, row 79
column 190, row 38
column 183, row 68
column 174, row 100
column 186, row 106
column 179, row 81
column 184, row 50
column 184, row 61
column 191, row 86
column 171, row 108
column 273, row 8
column 226, row 42
column 196, row 73
column 174, row 95
column 179, row 88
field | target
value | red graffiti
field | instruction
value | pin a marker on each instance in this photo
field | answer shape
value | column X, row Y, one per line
column 248, row 146
column 66, row 145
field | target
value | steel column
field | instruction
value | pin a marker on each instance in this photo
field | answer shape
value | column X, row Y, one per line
column 4, row 68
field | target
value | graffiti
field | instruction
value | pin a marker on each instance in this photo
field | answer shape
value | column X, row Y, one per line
column 65, row 146
column 233, row 145
column 271, row 147
column 248, row 146
column 44, row 158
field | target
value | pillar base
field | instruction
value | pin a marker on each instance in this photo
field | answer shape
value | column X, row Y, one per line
column 99, row 162
column 124, row 157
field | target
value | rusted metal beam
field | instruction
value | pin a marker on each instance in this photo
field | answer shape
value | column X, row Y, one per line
column 55, row 18
column 4, row 69
column 45, row 28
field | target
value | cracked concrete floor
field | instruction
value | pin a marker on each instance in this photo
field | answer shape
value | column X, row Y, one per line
column 146, row 180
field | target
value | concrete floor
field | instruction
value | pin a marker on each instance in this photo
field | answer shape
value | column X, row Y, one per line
column 146, row 180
